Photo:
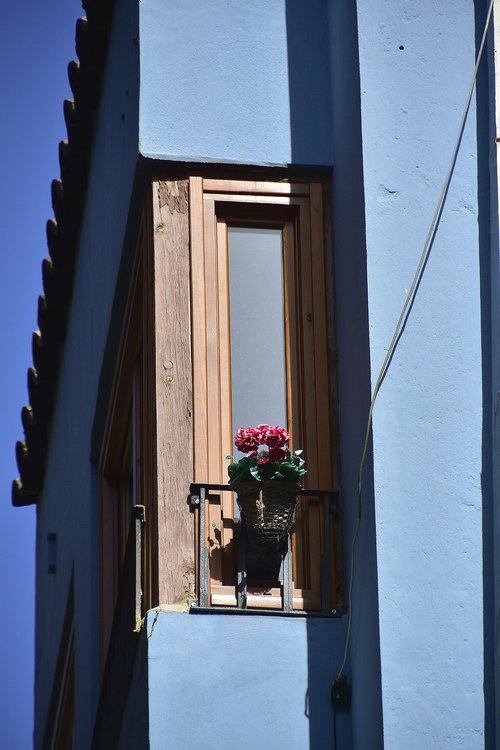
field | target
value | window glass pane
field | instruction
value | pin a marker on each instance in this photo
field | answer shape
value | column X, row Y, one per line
column 258, row 372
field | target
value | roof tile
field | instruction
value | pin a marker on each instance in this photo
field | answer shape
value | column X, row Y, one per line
column 68, row 200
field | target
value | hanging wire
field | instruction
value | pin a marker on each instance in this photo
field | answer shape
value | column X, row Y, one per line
column 405, row 312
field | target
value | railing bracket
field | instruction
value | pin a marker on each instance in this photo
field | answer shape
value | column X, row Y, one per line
column 194, row 501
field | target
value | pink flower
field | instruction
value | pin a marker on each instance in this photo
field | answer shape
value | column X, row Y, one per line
column 274, row 437
column 247, row 440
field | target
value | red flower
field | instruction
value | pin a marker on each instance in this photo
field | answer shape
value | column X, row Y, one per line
column 277, row 454
column 263, row 460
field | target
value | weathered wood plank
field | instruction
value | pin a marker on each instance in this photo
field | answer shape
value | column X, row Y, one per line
column 174, row 389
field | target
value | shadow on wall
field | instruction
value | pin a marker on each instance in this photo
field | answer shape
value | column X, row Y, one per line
column 490, row 329
column 325, row 642
column 325, row 125
column 311, row 125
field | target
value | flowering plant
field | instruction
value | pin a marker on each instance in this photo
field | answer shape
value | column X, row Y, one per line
column 269, row 456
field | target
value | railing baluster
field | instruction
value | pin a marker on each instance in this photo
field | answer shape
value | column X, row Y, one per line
column 325, row 557
column 241, row 594
column 287, row 577
column 204, row 581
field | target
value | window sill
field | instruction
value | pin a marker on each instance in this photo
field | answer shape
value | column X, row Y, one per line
column 196, row 610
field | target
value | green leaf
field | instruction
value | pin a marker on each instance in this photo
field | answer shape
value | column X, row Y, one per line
column 255, row 473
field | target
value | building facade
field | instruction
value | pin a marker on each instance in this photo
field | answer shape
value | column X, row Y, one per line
column 245, row 192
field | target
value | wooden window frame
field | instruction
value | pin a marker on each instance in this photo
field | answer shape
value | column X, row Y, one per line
column 296, row 208
column 127, row 460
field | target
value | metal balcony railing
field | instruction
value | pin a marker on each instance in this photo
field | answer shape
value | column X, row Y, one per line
column 199, row 498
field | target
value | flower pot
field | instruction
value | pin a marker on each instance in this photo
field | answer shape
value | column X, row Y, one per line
column 268, row 508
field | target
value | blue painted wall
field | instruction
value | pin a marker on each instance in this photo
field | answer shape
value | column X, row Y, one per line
column 380, row 99
column 416, row 62
column 69, row 504
column 222, row 681
column 216, row 84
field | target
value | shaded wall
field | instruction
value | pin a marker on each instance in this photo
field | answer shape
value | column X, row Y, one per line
column 487, row 122
column 353, row 368
column 134, row 730
column 69, row 503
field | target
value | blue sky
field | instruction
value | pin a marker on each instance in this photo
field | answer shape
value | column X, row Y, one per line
column 38, row 41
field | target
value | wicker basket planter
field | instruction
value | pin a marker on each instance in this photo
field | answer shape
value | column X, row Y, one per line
column 268, row 508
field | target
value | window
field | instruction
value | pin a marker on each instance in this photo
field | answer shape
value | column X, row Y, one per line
column 228, row 323
column 261, row 353
column 126, row 463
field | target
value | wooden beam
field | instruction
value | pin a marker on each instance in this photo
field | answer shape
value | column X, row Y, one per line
column 174, row 389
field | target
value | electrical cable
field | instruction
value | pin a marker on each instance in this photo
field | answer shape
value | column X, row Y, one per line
column 405, row 312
